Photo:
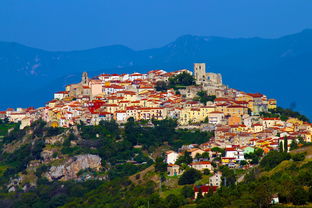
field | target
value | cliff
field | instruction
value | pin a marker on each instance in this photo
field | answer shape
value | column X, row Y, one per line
column 70, row 169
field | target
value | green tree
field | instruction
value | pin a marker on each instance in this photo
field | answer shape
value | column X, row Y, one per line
column 204, row 98
column 228, row 176
column 280, row 147
column 293, row 145
column 189, row 177
column 187, row 191
column 184, row 79
column 263, row 193
column 172, row 201
column 273, row 158
column 160, row 165
column 206, row 171
column 243, row 162
column 310, row 194
column 285, row 144
column 161, row 86
column 198, row 156
column 205, row 155
column 299, row 196
column 184, row 159
column 298, row 156
column 218, row 149
column 199, row 194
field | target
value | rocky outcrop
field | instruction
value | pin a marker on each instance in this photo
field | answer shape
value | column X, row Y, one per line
column 55, row 139
column 70, row 169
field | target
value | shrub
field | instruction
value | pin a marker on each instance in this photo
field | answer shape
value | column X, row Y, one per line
column 298, row 157
column 189, row 176
column 273, row 158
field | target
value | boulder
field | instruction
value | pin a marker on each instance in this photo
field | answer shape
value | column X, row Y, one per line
column 70, row 169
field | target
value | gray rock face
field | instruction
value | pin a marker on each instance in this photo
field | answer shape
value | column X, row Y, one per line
column 69, row 170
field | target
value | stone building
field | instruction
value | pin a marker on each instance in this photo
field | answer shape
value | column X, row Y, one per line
column 80, row 89
column 210, row 82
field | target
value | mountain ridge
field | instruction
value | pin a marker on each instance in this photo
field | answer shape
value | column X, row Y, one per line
column 276, row 67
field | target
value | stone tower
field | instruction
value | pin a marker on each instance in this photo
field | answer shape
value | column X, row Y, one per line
column 85, row 79
column 200, row 72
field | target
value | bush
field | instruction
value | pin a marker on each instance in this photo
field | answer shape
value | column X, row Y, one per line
column 206, row 171
column 187, row 191
column 299, row 196
column 190, row 176
column 298, row 157
column 184, row 79
column 273, row 158
column 160, row 166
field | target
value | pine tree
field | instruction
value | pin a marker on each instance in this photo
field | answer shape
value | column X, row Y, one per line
column 281, row 149
column 285, row 144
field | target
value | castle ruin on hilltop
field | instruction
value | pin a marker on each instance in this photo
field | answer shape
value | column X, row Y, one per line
column 209, row 81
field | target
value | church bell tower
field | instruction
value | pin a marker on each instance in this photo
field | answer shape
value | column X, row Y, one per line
column 85, row 79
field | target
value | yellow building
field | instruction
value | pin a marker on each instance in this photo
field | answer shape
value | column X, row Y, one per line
column 294, row 121
column 191, row 115
column 152, row 113
column 236, row 110
column 272, row 104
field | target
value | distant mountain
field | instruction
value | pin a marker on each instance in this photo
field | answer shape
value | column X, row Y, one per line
column 280, row 68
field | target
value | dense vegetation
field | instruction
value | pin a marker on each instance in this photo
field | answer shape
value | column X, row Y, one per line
column 112, row 142
column 204, row 98
column 176, row 82
column 284, row 114
column 282, row 174
column 290, row 180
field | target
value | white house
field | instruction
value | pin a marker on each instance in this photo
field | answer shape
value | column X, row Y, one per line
column 215, row 180
column 201, row 165
column 121, row 116
column 215, row 117
column 171, row 157
column 230, row 152
column 60, row 95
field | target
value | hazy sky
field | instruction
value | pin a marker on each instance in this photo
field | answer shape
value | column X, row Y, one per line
column 140, row 24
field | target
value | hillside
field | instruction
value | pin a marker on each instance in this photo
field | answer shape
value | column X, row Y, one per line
column 289, row 180
column 103, row 166
column 41, row 166
column 283, row 64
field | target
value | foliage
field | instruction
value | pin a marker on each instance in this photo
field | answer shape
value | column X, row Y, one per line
column 284, row 114
column 162, row 86
column 160, row 165
column 299, row 196
column 187, row 191
column 189, row 176
column 298, row 156
column 228, row 176
column 184, row 159
column 182, row 79
column 255, row 156
column 5, row 126
column 204, row 98
column 47, row 195
column 273, row 158
column 218, row 149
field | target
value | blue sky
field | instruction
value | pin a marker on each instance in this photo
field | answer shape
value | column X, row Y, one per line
column 140, row 24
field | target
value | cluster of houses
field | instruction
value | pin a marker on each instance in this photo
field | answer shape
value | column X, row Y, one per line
column 237, row 141
column 122, row 96
column 233, row 115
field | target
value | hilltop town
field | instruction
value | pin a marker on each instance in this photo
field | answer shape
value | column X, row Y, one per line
column 231, row 128
column 121, row 96
column 196, row 101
